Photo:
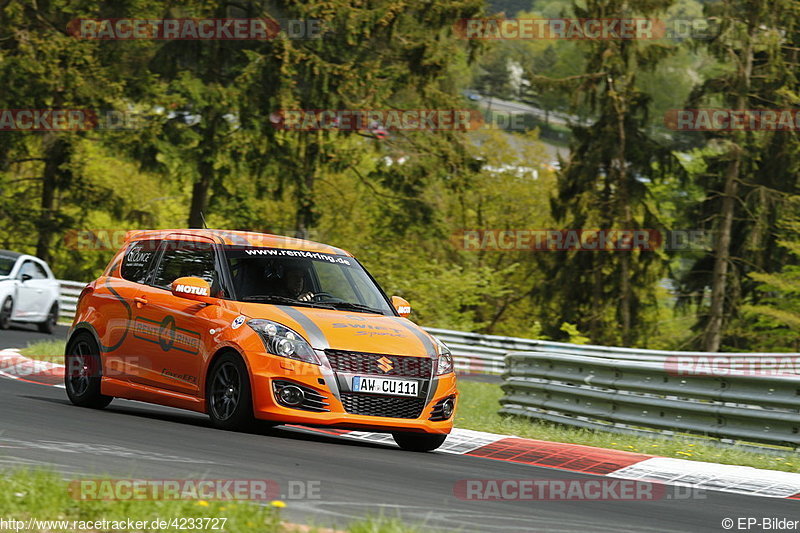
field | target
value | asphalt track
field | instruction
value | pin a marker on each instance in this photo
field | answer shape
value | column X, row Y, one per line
column 39, row 427
column 19, row 335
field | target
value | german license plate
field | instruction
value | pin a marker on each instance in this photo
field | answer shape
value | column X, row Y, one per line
column 391, row 387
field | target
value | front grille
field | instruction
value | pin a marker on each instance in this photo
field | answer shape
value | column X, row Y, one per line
column 391, row 407
column 375, row 363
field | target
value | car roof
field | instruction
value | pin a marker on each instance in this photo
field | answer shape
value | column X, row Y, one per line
column 9, row 253
column 240, row 238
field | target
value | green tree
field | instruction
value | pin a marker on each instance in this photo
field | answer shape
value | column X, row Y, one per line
column 44, row 67
column 778, row 311
column 749, row 173
column 605, row 185
column 382, row 56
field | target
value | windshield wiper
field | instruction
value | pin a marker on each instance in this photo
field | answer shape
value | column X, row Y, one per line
column 356, row 307
column 268, row 298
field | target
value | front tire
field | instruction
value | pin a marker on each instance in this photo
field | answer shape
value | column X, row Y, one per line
column 83, row 372
column 230, row 400
column 52, row 318
column 419, row 442
column 5, row 313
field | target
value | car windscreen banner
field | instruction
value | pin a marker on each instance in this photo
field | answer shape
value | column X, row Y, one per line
column 237, row 252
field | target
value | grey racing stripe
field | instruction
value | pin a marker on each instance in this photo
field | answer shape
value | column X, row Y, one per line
column 319, row 342
column 426, row 341
column 315, row 335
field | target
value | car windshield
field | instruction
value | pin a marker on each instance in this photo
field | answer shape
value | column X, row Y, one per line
column 297, row 277
column 6, row 264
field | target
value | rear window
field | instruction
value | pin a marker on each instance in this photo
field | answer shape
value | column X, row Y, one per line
column 6, row 264
column 136, row 262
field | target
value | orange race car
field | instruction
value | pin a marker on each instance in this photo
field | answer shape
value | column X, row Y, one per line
column 244, row 325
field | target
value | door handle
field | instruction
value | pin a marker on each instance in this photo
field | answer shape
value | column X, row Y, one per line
column 140, row 301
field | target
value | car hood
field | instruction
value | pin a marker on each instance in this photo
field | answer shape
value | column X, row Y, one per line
column 348, row 330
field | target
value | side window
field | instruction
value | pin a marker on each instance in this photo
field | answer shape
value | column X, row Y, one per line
column 371, row 296
column 34, row 270
column 41, row 273
column 186, row 258
column 137, row 260
column 332, row 280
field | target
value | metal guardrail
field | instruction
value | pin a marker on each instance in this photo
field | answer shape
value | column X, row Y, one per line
column 624, row 390
column 636, row 391
column 485, row 354
column 480, row 354
column 653, row 395
column 68, row 298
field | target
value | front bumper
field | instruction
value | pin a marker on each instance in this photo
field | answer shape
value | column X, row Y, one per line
column 266, row 369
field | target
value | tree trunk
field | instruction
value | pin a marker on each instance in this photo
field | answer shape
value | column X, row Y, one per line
column 620, row 168
column 205, row 169
column 719, row 279
column 209, row 145
column 199, row 203
column 722, row 251
column 56, row 153
column 306, row 215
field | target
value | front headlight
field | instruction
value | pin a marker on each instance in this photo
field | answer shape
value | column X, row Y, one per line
column 445, row 365
column 282, row 341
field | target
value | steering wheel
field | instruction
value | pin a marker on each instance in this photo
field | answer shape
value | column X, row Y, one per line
column 317, row 297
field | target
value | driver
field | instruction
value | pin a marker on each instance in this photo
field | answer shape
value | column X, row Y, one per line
column 294, row 284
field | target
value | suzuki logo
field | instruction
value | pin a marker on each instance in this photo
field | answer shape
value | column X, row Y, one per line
column 385, row 364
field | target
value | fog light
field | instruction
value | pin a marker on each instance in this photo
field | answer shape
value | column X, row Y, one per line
column 447, row 409
column 291, row 395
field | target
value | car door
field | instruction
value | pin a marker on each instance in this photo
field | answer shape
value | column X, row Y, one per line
column 172, row 332
column 115, row 307
column 33, row 292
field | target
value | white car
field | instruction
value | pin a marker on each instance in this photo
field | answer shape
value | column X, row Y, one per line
column 28, row 291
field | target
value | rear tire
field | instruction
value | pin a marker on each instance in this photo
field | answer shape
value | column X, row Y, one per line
column 83, row 372
column 419, row 442
column 52, row 318
column 5, row 312
column 228, row 394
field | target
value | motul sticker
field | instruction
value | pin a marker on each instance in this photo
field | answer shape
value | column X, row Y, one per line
column 191, row 289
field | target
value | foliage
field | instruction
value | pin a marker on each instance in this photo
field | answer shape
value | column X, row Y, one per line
column 205, row 142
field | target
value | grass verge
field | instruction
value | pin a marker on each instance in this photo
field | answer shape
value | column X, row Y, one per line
column 479, row 404
column 52, row 351
column 44, row 496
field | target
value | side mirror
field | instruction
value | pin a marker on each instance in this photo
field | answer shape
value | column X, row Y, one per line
column 26, row 277
column 402, row 306
column 193, row 288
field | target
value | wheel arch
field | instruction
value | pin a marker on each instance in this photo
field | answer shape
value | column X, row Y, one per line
column 85, row 327
column 219, row 353
column 7, row 289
